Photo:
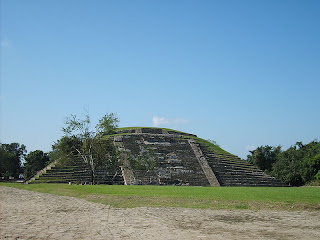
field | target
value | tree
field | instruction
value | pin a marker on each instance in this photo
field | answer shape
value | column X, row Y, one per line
column 288, row 166
column 295, row 166
column 108, row 124
column 264, row 157
column 299, row 164
column 11, row 156
column 91, row 147
column 35, row 161
column 311, row 166
column 311, row 161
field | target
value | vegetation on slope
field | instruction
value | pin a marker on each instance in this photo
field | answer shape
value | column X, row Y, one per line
column 213, row 147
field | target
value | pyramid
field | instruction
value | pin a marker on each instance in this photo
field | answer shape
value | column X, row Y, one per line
column 158, row 156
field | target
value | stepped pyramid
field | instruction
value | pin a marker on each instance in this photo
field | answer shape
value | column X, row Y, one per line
column 79, row 173
column 179, row 159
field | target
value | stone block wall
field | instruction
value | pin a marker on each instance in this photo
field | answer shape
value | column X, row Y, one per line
column 176, row 163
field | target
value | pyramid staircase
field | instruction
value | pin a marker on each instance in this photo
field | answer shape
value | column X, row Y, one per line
column 230, row 170
column 78, row 173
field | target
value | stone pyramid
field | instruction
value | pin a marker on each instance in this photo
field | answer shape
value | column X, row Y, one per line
column 159, row 156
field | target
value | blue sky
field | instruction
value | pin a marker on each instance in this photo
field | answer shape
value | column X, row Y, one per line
column 242, row 73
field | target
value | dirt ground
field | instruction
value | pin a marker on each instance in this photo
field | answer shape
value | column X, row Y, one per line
column 32, row 215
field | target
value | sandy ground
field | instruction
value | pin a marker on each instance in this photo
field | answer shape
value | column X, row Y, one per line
column 32, row 215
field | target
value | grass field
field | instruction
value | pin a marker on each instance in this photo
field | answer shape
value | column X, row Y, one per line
column 253, row 198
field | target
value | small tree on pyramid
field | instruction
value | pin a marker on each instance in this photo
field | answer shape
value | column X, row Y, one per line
column 95, row 150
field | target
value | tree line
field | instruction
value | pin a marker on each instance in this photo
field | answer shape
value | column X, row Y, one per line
column 15, row 163
column 78, row 143
column 297, row 166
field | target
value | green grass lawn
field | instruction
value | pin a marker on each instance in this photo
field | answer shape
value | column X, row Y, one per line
column 254, row 198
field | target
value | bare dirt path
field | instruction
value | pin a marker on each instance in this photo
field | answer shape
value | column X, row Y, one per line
column 32, row 215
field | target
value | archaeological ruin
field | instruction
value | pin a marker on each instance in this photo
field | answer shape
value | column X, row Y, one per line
column 156, row 156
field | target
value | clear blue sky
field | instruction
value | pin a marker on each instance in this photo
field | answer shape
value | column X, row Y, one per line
column 242, row 73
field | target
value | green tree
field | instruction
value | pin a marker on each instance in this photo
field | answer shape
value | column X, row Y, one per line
column 296, row 166
column 299, row 164
column 108, row 124
column 11, row 156
column 35, row 161
column 264, row 157
column 91, row 147
column 288, row 167
column 311, row 166
column 311, row 161
column 317, row 176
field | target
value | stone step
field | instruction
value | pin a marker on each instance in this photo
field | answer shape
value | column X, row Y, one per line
column 233, row 171
column 53, row 171
column 64, row 178
column 242, row 173
column 80, row 173
column 224, row 168
column 232, row 167
column 244, row 178
column 232, row 160
column 62, row 175
column 66, row 173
